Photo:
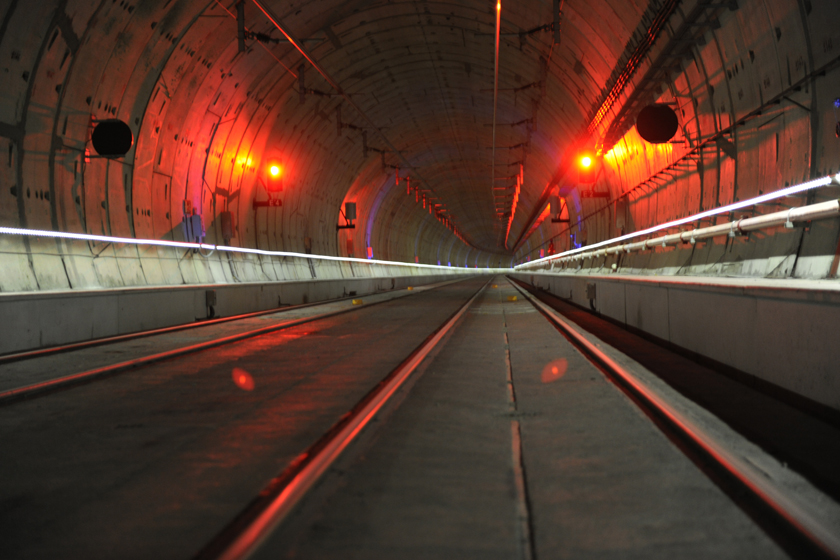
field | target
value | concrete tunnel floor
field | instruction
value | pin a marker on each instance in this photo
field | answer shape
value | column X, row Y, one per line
column 155, row 463
column 436, row 479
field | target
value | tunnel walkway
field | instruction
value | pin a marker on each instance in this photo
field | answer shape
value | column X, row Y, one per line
column 502, row 440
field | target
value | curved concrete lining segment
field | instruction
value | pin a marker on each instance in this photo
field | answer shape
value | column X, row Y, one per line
column 753, row 85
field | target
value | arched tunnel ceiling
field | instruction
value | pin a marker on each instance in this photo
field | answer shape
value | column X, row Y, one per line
column 421, row 71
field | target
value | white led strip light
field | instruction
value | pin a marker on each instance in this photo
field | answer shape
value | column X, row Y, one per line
column 185, row 245
column 788, row 191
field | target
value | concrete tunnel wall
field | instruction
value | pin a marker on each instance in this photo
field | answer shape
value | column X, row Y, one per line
column 762, row 51
column 207, row 119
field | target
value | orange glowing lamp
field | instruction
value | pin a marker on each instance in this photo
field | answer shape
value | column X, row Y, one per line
column 274, row 177
column 587, row 170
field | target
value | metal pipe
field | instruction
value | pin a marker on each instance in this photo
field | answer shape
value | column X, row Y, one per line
column 813, row 212
column 794, row 190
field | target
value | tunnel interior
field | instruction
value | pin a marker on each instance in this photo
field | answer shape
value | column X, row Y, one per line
column 392, row 107
column 419, row 278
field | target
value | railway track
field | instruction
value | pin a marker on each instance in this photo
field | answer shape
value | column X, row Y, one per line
column 253, row 525
column 184, row 365
column 33, row 390
column 63, row 348
column 803, row 526
column 780, row 508
column 783, row 510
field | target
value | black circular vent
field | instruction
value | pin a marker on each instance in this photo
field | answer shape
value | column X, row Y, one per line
column 657, row 123
column 112, row 138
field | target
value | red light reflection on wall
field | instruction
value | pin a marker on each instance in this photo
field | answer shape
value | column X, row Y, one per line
column 554, row 370
column 243, row 379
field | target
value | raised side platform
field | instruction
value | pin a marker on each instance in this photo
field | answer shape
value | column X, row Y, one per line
column 40, row 319
column 782, row 332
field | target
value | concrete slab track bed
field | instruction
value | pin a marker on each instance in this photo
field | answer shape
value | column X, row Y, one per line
column 401, row 278
column 502, row 441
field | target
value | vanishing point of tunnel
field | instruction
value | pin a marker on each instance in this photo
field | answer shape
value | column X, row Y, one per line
column 419, row 279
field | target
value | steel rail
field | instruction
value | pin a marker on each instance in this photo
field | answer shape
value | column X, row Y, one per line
column 44, row 387
column 307, row 469
column 788, row 507
column 41, row 352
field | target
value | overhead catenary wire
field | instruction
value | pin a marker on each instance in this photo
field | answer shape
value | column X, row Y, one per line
column 280, row 62
column 277, row 22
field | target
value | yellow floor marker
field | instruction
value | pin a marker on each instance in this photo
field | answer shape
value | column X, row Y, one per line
column 357, row 302
column 409, row 288
column 495, row 285
column 511, row 298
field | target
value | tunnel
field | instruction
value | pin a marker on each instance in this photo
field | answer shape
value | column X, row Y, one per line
column 419, row 279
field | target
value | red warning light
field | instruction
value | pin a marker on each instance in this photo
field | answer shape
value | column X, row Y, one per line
column 274, row 177
column 587, row 171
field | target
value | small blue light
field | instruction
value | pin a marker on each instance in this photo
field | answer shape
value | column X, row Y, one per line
column 837, row 103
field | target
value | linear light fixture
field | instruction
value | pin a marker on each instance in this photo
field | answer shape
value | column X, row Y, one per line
column 787, row 191
column 185, row 245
